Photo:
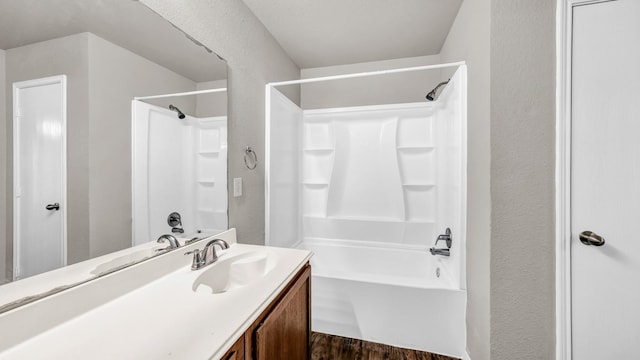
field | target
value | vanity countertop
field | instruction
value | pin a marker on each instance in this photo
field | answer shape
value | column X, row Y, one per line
column 164, row 319
column 74, row 274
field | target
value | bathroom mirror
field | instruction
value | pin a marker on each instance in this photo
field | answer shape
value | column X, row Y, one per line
column 86, row 61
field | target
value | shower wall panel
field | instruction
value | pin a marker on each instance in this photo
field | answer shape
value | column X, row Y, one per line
column 168, row 193
column 210, row 192
column 283, row 166
column 450, row 125
column 369, row 174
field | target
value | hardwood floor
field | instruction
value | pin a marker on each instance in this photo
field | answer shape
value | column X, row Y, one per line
column 330, row 347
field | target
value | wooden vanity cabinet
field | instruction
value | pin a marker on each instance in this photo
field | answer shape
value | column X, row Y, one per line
column 236, row 352
column 283, row 330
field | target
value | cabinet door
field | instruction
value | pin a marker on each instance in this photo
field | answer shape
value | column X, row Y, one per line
column 285, row 331
column 236, row 352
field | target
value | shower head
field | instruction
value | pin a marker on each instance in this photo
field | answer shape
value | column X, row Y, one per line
column 180, row 113
column 432, row 94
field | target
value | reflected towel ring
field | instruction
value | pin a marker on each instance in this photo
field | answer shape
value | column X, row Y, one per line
column 250, row 158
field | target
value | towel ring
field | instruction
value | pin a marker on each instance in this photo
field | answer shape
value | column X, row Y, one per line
column 252, row 160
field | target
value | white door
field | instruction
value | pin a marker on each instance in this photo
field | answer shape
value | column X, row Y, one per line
column 39, row 176
column 605, row 181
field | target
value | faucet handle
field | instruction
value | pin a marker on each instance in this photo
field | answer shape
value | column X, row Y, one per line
column 198, row 259
column 446, row 237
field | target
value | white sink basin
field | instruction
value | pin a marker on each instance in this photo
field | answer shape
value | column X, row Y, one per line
column 234, row 272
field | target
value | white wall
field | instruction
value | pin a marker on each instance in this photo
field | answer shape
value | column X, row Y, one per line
column 522, row 179
column 374, row 90
column 254, row 58
column 3, row 168
column 468, row 40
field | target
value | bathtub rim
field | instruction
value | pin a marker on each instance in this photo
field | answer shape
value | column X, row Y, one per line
column 446, row 278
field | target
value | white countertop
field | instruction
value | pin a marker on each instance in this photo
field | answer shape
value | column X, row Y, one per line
column 165, row 318
column 71, row 274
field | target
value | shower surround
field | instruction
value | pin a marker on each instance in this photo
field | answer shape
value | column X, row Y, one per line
column 370, row 189
column 178, row 165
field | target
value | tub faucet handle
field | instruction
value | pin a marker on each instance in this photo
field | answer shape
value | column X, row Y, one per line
column 446, row 237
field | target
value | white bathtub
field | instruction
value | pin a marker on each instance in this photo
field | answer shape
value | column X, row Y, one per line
column 389, row 296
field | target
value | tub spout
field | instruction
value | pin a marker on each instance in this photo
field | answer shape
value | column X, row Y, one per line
column 443, row 252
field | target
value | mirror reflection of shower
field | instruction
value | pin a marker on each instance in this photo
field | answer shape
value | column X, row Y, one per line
column 180, row 113
column 180, row 165
column 431, row 96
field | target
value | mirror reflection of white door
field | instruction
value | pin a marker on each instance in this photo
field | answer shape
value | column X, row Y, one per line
column 39, row 176
column 605, row 180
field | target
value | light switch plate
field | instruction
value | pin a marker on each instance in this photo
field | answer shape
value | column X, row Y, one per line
column 237, row 187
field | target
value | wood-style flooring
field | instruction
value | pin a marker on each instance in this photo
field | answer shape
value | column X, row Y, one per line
column 330, row 347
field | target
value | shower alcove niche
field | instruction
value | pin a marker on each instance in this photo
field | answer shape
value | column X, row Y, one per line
column 368, row 188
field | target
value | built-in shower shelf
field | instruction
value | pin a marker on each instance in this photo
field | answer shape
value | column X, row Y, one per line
column 319, row 151
column 357, row 218
column 315, row 183
column 415, row 147
column 208, row 152
column 207, row 182
column 419, row 186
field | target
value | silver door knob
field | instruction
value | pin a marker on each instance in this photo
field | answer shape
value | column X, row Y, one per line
column 591, row 238
column 55, row 207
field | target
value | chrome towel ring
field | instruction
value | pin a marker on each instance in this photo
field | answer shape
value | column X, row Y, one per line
column 250, row 158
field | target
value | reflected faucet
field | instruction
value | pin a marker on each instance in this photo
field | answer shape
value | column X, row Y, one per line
column 173, row 242
column 175, row 221
column 208, row 254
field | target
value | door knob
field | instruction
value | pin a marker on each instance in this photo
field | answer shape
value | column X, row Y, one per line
column 54, row 206
column 591, row 238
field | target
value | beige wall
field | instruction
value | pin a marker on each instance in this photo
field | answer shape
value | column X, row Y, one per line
column 254, row 58
column 468, row 41
column 3, row 169
column 116, row 77
column 68, row 56
column 374, row 90
column 214, row 104
column 522, row 179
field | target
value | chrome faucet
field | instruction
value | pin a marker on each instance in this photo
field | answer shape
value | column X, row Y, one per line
column 173, row 242
column 446, row 237
column 207, row 255
column 444, row 252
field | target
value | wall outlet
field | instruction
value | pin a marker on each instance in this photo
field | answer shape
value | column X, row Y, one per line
column 237, row 187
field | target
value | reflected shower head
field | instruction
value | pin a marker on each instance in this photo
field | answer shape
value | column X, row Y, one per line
column 432, row 94
column 180, row 113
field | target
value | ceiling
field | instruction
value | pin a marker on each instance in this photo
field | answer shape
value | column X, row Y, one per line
column 128, row 24
column 318, row 33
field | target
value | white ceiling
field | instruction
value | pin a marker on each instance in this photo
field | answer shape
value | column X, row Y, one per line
column 319, row 33
column 126, row 23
